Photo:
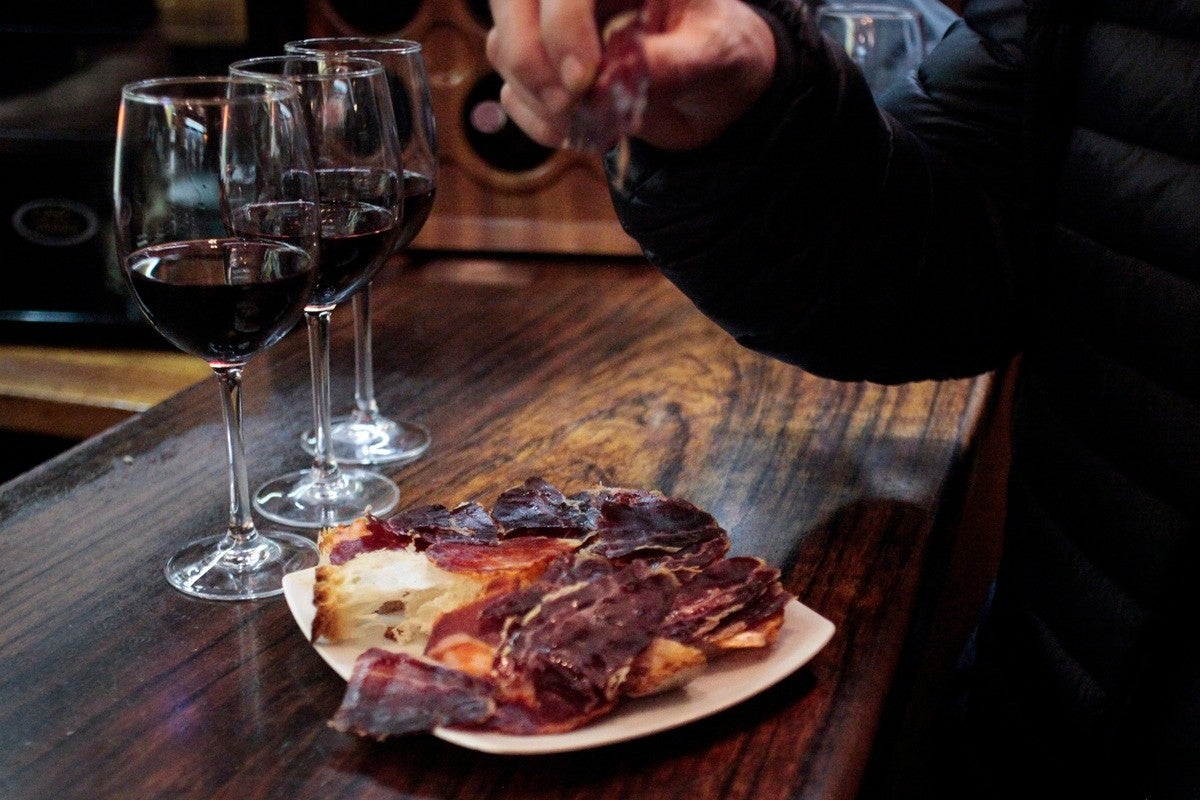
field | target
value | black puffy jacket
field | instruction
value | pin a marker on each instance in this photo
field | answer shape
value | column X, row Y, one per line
column 1033, row 190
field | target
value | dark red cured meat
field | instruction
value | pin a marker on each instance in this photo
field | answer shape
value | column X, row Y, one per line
column 418, row 527
column 486, row 618
column 729, row 596
column 390, row 694
column 537, row 508
column 434, row 523
column 380, row 536
column 613, row 105
column 483, row 619
column 559, row 648
column 565, row 660
column 664, row 530
column 567, row 645
column 532, row 553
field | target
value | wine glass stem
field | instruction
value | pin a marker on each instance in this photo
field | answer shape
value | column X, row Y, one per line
column 241, row 524
column 324, row 464
column 364, row 378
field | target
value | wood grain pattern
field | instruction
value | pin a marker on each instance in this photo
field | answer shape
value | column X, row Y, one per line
column 116, row 686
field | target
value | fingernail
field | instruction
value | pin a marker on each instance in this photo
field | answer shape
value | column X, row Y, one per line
column 575, row 76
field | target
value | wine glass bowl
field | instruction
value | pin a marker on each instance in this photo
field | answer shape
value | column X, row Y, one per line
column 216, row 222
column 359, row 174
column 885, row 41
column 221, row 299
column 365, row 435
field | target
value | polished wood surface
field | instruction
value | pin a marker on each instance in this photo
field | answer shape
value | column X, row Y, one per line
column 77, row 392
column 116, row 686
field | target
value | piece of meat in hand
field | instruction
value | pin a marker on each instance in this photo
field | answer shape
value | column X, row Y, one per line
column 613, row 105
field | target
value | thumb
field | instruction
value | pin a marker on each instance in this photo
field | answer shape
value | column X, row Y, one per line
column 572, row 41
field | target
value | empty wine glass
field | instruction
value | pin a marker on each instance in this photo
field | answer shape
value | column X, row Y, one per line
column 356, row 154
column 366, row 436
column 216, row 223
column 884, row 40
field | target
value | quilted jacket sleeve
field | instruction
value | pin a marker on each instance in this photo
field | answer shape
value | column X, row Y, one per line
column 859, row 243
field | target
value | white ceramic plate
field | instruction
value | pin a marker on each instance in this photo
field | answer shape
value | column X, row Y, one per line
column 726, row 681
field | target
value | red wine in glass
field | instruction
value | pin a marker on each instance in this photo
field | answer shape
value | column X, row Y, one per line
column 354, row 239
column 359, row 171
column 215, row 220
column 221, row 299
column 418, row 202
column 365, row 435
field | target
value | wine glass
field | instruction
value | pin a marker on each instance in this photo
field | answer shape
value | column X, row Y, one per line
column 884, row 40
column 356, row 155
column 365, row 436
column 216, row 222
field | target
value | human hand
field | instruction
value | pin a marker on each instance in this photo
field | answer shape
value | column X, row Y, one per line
column 707, row 62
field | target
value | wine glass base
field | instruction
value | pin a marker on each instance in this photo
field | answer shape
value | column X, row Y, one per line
column 213, row 569
column 302, row 500
column 378, row 441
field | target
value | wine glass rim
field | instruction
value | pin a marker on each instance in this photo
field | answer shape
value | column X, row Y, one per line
column 157, row 90
column 357, row 44
column 356, row 67
column 876, row 9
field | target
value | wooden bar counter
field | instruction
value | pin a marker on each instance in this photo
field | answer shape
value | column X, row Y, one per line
column 76, row 392
column 115, row 686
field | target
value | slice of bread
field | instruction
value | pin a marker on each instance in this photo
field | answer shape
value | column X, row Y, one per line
column 389, row 586
column 396, row 593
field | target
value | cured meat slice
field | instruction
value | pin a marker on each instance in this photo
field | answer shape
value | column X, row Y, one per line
column 435, row 523
column 736, row 602
column 390, row 694
column 567, row 647
column 523, row 559
column 666, row 531
column 539, row 616
column 613, row 105
column 537, row 508
column 417, row 527
column 566, row 659
column 365, row 535
column 469, row 637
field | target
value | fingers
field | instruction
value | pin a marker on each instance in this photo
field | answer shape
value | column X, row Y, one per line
column 711, row 61
column 550, row 48
column 547, row 52
column 514, row 46
column 706, row 61
column 546, row 129
column 572, row 42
